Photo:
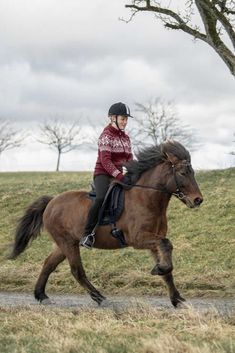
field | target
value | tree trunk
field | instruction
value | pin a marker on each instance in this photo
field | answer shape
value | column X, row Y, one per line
column 212, row 36
column 58, row 161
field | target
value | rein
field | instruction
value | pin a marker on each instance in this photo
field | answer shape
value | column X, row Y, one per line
column 179, row 194
column 115, row 232
column 145, row 187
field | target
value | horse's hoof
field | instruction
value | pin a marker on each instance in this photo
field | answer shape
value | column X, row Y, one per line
column 178, row 301
column 40, row 296
column 106, row 303
column 98, row 298
column 46, row 301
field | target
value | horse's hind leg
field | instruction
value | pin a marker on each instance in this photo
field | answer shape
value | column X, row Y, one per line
column 71, row 250
column 50, row 264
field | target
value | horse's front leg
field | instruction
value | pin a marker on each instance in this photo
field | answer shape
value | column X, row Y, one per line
column 174, row 294
column 163, row 258
column 160, row 247
column 144, row 240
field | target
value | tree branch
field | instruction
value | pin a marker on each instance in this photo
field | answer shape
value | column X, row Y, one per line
column 9, row 138
column 179, row 24
column 211, row 12
column 210, row 20
column 158, row 122
column 219, row 15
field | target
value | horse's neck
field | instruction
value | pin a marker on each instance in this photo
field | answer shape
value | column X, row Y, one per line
column 156, row 199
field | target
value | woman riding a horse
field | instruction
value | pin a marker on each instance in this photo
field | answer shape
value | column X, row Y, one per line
column 114, row 149
column 158, row 173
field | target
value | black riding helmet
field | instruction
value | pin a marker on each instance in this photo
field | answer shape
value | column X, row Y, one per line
column 119, row 109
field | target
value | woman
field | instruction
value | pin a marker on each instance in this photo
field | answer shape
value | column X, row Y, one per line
column 114, row 149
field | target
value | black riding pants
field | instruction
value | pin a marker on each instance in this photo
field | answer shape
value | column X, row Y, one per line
column 102, row 183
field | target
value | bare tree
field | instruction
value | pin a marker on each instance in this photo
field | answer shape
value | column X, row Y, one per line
column 233, row 152
column 95, row 131
column 217, row 17
column 158, row 122
column 61, row 137
column 9, row 138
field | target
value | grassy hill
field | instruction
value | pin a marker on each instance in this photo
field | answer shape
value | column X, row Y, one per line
column 203, row 239
column 204, row 247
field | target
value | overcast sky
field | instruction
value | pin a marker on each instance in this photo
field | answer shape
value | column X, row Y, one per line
column 74, row 58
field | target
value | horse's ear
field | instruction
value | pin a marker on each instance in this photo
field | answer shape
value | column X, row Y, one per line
column 171, row 158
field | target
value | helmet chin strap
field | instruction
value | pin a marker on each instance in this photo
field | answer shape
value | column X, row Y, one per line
column 116, row 123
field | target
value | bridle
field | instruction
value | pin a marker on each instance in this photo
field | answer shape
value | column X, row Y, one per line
column 178, row 193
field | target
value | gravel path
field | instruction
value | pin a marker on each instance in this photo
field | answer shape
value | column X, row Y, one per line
column 223, row 306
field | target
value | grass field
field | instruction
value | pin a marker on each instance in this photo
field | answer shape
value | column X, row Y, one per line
column 137, row 330
column 203, row 239
column 204, row 262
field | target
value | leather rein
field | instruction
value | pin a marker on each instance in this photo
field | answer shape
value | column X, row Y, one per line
column 178, row 193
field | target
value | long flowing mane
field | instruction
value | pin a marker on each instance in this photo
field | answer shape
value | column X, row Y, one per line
column 152, row 156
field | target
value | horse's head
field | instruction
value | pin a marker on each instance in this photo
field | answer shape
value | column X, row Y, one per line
column 180, row 179
column 169, row 170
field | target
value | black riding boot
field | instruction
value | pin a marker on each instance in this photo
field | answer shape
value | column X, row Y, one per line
column 88, row 237
column 101, row 185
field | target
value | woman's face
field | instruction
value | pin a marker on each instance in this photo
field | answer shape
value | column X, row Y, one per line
column 121, row 120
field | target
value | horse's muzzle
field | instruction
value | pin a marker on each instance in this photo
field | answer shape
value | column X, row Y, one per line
column 197, row 201
column 193, row 203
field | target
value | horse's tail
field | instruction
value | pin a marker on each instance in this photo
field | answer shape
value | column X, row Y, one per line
column 29, row 225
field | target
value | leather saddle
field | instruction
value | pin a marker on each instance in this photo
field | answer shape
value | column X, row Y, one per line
column 113, row 205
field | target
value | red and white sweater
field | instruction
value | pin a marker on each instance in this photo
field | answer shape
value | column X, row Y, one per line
column 114, row 149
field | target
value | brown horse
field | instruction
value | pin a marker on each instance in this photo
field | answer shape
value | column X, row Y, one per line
column 158, row 173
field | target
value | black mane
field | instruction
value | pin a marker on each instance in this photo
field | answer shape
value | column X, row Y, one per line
column 150, row 157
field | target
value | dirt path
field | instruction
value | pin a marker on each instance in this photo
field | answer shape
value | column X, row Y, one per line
column 223, row 306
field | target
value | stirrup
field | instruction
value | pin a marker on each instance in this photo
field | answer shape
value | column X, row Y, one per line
column 88, row 241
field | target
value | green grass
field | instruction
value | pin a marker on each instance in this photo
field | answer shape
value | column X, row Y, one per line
column 204, row 244
column 203, row 239
column 140, row 329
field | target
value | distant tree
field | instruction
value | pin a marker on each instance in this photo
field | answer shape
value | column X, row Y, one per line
column 217, row 17
column 61, row 137
column 158, row 122
column 95, row 130
column 233, row 152
column 9, row 138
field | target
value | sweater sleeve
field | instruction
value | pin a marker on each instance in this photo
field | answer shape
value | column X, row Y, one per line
column 105, row 146
column 130, row 157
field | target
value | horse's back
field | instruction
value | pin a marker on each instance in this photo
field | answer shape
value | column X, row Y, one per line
column 71, row 195
column 66, row 211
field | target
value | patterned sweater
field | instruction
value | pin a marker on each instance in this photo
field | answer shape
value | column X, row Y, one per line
column 114, row 148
